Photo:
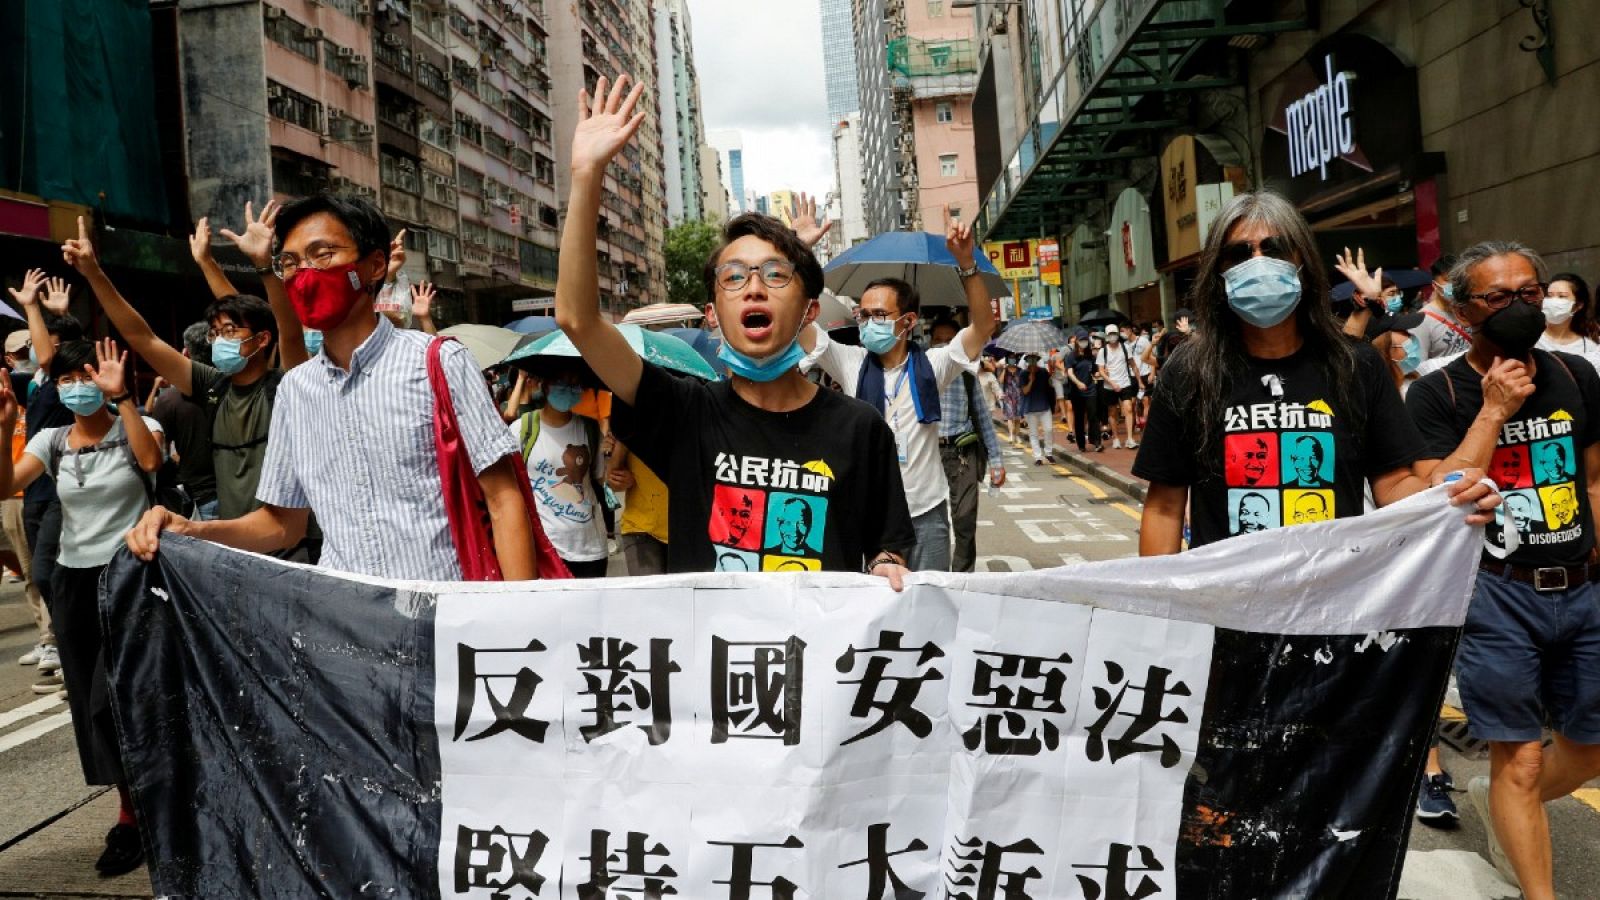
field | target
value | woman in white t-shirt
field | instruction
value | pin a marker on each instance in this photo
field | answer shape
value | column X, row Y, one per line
column 562, row 450
column 1569, row 324
column 103, row 465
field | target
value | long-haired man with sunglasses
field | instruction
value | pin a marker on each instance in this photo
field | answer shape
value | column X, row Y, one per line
column 740, row 456
column 1530, row 653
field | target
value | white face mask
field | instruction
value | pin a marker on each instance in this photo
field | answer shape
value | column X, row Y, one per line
column 1558, row 310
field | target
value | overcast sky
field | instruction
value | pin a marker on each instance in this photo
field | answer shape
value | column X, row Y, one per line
column 760, row 66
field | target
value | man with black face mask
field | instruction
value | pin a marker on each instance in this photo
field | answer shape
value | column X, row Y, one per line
column 1530, row 652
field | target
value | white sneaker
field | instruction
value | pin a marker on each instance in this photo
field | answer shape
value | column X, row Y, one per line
column 49, row 659
column 1133, row 445
column 1116, row 443
column 48, row 683
column 32, row 656
column 1478, row 791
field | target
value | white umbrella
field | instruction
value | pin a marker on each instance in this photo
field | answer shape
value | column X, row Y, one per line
column 664, row 314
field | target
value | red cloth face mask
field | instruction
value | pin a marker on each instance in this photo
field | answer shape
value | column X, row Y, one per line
column 323, row 298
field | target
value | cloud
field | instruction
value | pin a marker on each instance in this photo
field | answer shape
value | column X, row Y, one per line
column 760, row 67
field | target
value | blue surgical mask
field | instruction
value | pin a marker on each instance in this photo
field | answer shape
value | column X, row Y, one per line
column 1413, row 357
column 82, row 398
column 763, row 370
column 878, row 337
column 226, row 358
column 563, row 397
column 313, row 339
column 1448, row 291
column 33, row 356
column 1395, row 304
column 1263, row 290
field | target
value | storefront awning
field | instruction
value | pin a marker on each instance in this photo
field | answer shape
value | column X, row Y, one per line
column 1090, row 123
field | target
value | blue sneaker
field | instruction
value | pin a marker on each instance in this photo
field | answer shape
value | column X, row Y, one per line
column 1434, row 806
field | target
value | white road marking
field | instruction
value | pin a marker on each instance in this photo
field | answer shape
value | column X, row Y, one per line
column 1451, row 875
column 29, row 710
column 1072, row 559
column 36, row 730
column 983, row 523
column 1039, row 531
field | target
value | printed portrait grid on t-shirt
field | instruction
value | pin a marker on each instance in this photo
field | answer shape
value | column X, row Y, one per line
column 1279, row 465
column 769, row 515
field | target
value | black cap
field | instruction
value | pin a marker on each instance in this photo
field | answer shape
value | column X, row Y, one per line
column 1182, row 313
column 1382, row 324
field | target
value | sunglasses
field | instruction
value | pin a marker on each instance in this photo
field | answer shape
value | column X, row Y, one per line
column 1240, row 251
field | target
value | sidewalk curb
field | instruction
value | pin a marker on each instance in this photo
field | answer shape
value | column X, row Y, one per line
column 1104, row 474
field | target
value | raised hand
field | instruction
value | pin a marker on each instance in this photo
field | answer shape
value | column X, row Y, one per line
column 397, row 254
column 959, row 241
column 57, row 296
column 1354, row 267
column 256, row 242
column 79, row 252
column 9, row 407
column 200, row 241
column 605, row 123
column 803, row 219
column 28, row 294
column 1505, row 386
column 422, row 300
column 107, row 373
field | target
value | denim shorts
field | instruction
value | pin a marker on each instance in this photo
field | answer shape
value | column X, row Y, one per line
column 1529, row 659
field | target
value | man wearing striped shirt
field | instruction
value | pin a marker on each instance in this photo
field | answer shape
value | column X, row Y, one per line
column 352, row 430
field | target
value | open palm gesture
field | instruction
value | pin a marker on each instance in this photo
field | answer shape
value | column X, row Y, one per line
column 57, row 296
column 107, row 371
column 200, row 241
column 1354, row 267
column 605, row 123
column 803, row 219
column 256, row 242
column 959, row 241
column 28, row 294
column 9, row 407
column 422, row 300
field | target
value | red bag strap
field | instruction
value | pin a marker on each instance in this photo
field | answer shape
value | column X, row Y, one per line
column 471, row 530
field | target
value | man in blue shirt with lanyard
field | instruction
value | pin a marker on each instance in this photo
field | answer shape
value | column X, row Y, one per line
column 967, row 445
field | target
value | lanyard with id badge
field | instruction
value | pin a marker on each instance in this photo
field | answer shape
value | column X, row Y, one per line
column 901, row 453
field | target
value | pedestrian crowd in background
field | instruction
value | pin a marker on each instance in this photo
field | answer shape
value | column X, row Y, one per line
column 328, row 424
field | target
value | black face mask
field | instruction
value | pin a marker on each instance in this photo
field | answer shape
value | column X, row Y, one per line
column 1515, row 329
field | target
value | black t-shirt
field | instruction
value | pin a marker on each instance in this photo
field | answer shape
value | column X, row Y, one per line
column 1538, row 458
column 1083, row 369
column 44, row 410
column 1042, row 396
column 187, row 426
column 755, row 491
column 1277, row 460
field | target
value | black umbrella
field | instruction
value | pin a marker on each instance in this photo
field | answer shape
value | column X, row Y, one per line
column 1103, row 317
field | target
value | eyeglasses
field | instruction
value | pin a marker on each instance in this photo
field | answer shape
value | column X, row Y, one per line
column 863, row 316
column 319, row 257
column 228, row 332
column 1239, row 251
column 774, row 273
column 1530, row 293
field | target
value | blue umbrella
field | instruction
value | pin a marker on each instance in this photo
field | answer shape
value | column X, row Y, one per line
column 556, row 352
column 1404, row 279
column 704, row 343
column 533, row 324
column 918, row 257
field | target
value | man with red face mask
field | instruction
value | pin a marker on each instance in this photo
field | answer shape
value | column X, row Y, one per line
column 352, row 430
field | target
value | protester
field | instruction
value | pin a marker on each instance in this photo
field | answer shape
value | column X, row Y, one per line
column 187, row 423
column 1396, row 339
column 968, row 448
column 644, row 530
column 992, row 392
column 352, row 432
column 1083, row 375
column 1057, row 367
column 1569, row 324
column 1171, row 339
column 101, row 464
column 895, row 375
column 1011, row 397
column 565, row 462
column 765, row 469
column 1530, row 651
column 43, row 653
column 1270, row 409
column 1120, row 384
column 41, row 509
column 1140, row 344
column 1037, row 399
column 1442, row 334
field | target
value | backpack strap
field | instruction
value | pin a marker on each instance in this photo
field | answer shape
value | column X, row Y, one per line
column 214, row 405
column 59, row 449
column 529, row 424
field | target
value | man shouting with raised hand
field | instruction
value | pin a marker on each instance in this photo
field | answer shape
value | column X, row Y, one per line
column 766, row 448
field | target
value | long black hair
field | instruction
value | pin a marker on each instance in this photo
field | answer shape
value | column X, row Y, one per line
column 1215, row 355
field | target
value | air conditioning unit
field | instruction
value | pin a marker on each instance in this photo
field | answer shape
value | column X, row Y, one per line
column 363, row 132
column 358, row 60
column 334, row 115
column 274, row 91
column 344, row 52
column 274, row 12
column 435, row 265
column 391, row 39
column 313, row 34
column 448, row 76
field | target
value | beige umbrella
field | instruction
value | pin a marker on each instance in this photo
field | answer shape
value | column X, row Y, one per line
column 659, row 314
column 489, row 344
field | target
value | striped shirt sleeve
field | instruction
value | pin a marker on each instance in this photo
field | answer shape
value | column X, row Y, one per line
column 482, row 430
column 279, row 485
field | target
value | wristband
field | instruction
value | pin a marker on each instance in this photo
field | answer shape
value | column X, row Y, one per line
column 119, row 399
column 264, row 271
column 881, row 561
column 967, row 272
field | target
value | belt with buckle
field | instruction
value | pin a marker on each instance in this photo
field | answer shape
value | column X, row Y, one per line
column 1544, row 578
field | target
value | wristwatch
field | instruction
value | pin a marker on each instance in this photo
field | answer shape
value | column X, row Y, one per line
column 967, row 272
column 118, row 399
column 264, row 271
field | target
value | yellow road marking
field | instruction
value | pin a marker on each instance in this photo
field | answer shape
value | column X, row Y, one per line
column 1089, row 486
column 1589, row 797
column 1128, row 511
column 1450, row 714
